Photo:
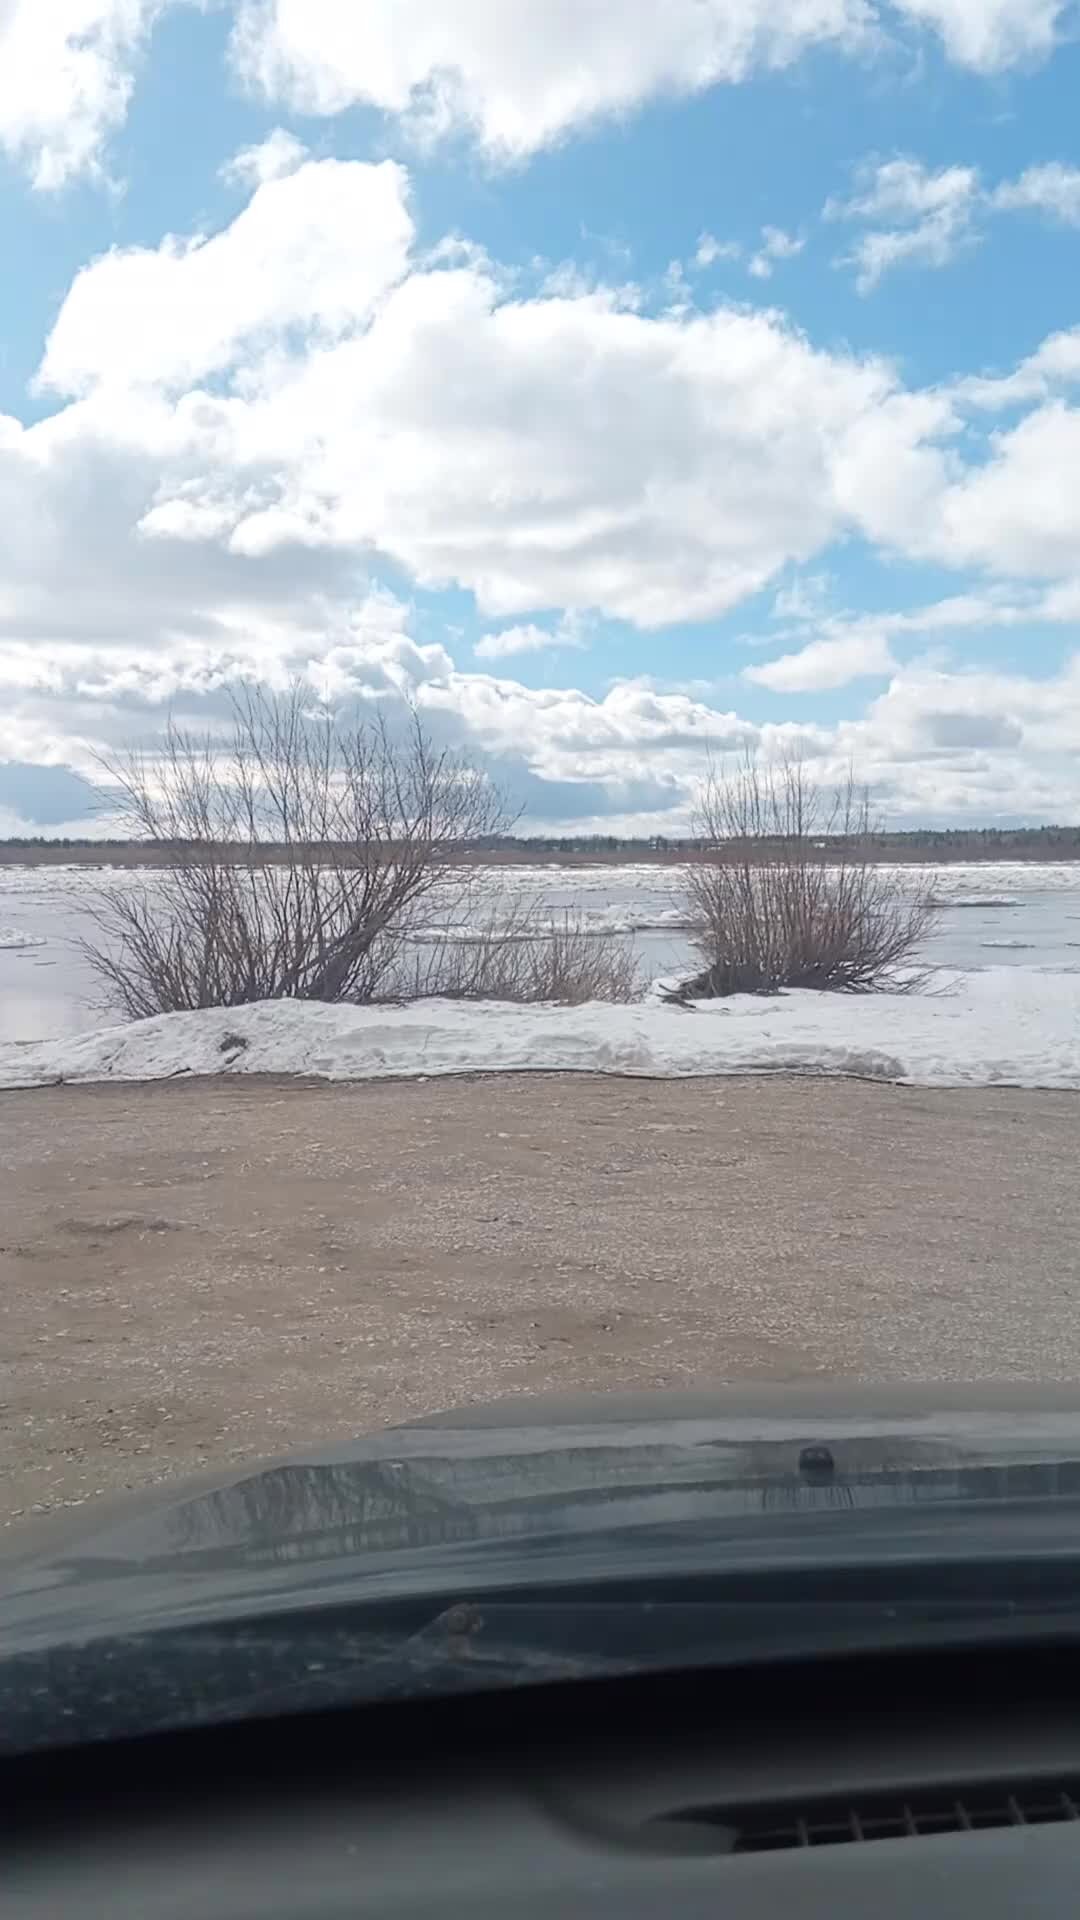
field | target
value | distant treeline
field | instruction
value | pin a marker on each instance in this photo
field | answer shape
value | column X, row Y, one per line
column 923, row 844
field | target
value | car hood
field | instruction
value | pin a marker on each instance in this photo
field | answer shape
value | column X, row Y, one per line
column 344, row 1573
column 481, row 1483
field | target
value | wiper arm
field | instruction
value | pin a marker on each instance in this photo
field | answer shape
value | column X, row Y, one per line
column 526, row 1642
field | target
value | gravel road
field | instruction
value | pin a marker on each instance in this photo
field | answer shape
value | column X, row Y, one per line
column 198, row 1273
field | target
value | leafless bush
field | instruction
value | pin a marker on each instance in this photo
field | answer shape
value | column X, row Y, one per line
column 518, row 959
column 295, row 851
column 787, row 896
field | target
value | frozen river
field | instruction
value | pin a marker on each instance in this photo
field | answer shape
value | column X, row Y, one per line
column 1012, row 915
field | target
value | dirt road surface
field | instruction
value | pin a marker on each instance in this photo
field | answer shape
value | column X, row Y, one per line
column 199, row 1273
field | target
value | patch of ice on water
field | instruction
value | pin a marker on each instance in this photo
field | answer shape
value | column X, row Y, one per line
column 15, row 938
column 592, row 923
column 977, row 900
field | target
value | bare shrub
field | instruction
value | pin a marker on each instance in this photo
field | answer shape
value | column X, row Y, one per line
column 786, row 895
column 519, row 959
column 295, row 851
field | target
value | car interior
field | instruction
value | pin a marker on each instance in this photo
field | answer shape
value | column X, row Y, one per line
column 901, row 1784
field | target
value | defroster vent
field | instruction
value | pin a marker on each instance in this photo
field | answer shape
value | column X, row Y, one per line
column 853, row 1820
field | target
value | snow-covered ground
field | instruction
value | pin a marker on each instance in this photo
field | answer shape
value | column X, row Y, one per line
column 1008, row 1009
column 1002, row 1026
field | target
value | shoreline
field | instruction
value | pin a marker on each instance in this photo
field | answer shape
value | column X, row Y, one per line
column 998, row 1026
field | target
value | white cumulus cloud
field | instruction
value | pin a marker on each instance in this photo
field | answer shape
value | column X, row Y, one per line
column 1050, row 188
column 929, row 215
column 66, row 76
column 1019, row 512
column 824, row 664
column 551, row 451
column 558, row 450
column 526, row 639
column 709, row 250
column 1053, row 368
column 270, row 159
column 991, row 35
column 244, row 442
column 919, row 216
column 521, row 75
column 312, row 250
column 516, row 77
column 775, row 245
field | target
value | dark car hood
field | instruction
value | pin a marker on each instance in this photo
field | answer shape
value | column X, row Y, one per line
column 341, row 1574
column 479, row 1484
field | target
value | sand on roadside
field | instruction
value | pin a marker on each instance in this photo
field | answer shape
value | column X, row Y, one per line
column 199, row 1273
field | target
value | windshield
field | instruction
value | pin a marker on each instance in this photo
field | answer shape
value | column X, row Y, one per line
column 539, row 784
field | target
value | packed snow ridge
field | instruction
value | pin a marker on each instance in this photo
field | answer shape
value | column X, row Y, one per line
column 999, row 1026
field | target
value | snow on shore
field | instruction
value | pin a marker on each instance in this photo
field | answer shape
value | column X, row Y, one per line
column 1001, row 1026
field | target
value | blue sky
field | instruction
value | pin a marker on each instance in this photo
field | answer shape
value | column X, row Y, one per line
column 624, row 385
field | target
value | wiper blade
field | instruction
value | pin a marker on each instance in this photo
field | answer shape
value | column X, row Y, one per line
column 523, row 1642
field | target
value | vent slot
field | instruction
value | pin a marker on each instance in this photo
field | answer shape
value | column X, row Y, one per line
column 852, row 1820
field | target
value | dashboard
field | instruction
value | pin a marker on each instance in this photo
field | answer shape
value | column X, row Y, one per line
column 895, row 1787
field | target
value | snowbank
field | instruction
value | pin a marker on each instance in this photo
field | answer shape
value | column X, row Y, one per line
column 1001, row 1026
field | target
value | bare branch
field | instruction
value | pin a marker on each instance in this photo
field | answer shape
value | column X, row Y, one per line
column 516, row 957
column 295, row 851
column 786, row 894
